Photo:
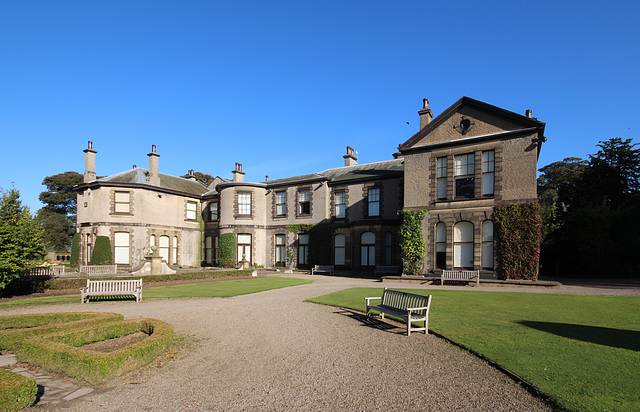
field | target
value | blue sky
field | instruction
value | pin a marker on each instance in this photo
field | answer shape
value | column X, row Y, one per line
column 283, row 87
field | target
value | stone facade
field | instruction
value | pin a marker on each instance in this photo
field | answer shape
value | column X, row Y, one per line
column 460, row 165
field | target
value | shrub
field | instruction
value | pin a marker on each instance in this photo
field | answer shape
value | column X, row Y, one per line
column 75, row 250
column 412, row 243
column 519, row 229
column 101, row 254
column 227, row 250
column 16, row 391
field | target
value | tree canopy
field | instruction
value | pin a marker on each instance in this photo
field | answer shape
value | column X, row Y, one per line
column 20, row 238
column 58, row 216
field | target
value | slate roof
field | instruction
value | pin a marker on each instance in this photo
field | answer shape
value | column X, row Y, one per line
column 140, row 176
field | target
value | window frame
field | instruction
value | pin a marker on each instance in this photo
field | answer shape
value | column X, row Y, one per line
column 303, row 249
column 304, row 206
column 374, row 192
column 464, row 173
column 340, row 204
column 119, row 203
column 488, row 172
column 243, row 205
column 340, row 250
column 214, row 211
column 441, row 177
column 191, row 214
column 281, row 203
column 367, row 251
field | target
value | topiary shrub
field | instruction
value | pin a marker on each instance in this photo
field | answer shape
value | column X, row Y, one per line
column 102, row 252
column 227, row 250
column 75, row 250
column 16, row 391
column 412, row 243
column 519, row 233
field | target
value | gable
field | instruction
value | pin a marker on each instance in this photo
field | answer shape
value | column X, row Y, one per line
column 469, row 118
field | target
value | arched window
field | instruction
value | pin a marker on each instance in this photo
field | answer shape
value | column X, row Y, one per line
column 368, row 249
column 441, row 245
column 339, row 249
column 163, row 248
column 487, row 244
column 463, row 245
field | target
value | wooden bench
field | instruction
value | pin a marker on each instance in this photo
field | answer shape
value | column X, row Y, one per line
column 460, row 276
column 387, row 270
column 403, row 305
column 322, row 268
column 112, row 288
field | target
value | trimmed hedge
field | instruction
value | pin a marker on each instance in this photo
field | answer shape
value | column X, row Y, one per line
column 519, row 233
column 16, row 329
column 28, row 286
column 101, row 254
column 16, row 391
column 227, row 250
column 62, row 351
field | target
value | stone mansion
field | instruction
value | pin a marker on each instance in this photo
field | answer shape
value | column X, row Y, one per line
column 458, row 166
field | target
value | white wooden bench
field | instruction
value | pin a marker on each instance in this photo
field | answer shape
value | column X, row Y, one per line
column 322, row 268
column 387, row 270
column 460, row 276
column 112, row 288
column 403, row 305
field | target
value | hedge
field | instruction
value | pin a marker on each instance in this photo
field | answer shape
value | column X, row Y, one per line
column 63, row 351
column 412, row 242
column 227, row 250
column 101, row 254
column 16, row 391
column 519, row 233
column 16, row 329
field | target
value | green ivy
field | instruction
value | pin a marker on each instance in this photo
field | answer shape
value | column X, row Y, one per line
column 227, row 250
column 519, row 233
column 101, row 254
column 412, row 243
column 320, row 244
column 300, row 228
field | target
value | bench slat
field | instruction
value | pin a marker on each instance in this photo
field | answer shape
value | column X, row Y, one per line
column 112, row 288
column 406, row 306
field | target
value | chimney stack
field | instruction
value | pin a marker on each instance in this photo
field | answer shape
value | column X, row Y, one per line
column 154, row 176
column 350, row 159
column 89, row 163
column 529, row 113
column 425, row 114
column 191, row 175
column 238, row 174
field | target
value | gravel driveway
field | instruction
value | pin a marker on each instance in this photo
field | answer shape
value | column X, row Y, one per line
column 273, row 351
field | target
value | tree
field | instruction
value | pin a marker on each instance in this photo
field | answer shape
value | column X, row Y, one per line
column 203, row 178
column 58, row 216
column 20, row 238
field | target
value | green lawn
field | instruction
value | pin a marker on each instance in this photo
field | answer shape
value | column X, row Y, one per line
column 223, row 288
column 583, row 351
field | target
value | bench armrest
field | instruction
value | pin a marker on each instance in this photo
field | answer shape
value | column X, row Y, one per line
column 369, row 299
column 83, row 289
column 422, row 308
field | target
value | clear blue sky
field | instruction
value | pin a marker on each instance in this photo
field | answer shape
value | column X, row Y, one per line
column 284, row 86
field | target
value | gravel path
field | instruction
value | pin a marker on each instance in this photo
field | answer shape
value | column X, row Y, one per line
column 273, row 351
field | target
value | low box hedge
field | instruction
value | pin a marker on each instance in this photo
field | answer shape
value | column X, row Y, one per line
column 16, row 391
column 63, row 351
column 16, row 329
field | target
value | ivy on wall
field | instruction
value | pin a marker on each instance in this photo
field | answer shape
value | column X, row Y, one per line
column 320, row 244
column 412, row 243
column 227, row 250
column 519, row 233
column 101, row 254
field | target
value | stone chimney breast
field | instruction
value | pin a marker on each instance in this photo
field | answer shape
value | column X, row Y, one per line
column 350, row 159
column 154, row 174
column 425, row 114
column 89, row 163
column 238, row 174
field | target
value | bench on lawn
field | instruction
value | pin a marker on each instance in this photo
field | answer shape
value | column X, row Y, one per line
column 322, row 268
column 460, row 276
column 403, row 305
column 387, row 270
column 112, row 288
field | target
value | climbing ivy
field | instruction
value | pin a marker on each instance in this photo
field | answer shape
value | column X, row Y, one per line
column 412, row 243
column 518, row 229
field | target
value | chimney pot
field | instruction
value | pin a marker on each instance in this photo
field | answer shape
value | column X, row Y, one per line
column 266, row 178
column 350, row 159
column 90, row 144
column 425, row 114
column 238, row 174
column 529, row 113
column 153, row 148
column 134, row 166
column 425, row 103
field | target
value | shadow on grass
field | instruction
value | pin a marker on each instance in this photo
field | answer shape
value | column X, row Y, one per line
column 371, row 322
column 615, row 338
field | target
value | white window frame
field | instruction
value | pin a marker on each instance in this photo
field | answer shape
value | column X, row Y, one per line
column 488, row 173
column 121, row 247
column 341, row 204
column 304, row 202
column 244, row 204
column 281, row 203
column 339, row 249
column 441, row 177
column 464, row 169
column 373, row 201
column 192, row 210
column 122, row 202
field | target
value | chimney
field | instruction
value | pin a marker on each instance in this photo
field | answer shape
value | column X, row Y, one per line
column 154, row 176
column 425, row 114
column 529, row 113
column 350, row 159
column 238, row 174
column 191, row 176
column 89, row 163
